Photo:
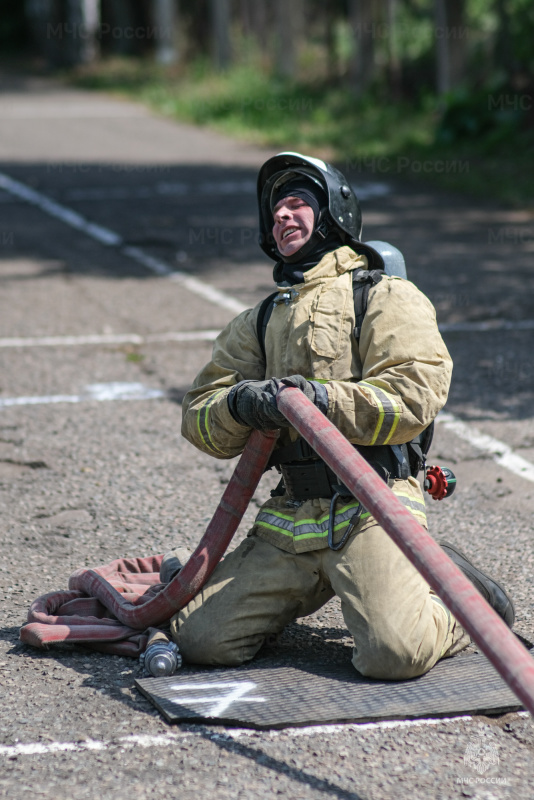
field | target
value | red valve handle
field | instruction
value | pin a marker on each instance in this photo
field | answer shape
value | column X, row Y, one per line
column 436, row 483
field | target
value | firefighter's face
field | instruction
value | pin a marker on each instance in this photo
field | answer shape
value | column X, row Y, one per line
column 293, row 224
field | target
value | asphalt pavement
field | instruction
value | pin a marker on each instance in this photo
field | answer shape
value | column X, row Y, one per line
column 126, row 242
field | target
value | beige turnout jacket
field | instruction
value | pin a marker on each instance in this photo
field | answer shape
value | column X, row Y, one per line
column 383, row 390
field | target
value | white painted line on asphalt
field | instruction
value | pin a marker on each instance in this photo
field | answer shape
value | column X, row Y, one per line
column 53, row 209
column 340, row 727
column 170, row 738
column 209, row 292
column 219, row 187
column 183, row 188
column 40, row 748
column 488, row 325
column 157, row 266
column 501, row 452
column 154, row 264
column 109, row 338
column 111, row 239
column 100, row 392
column 195, row 286
column 175, row 189
column 313, row 730
column 120, row 193
column 373, row 189
column 169, row 336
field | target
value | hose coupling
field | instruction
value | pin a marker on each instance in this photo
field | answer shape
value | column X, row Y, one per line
column 161, row 659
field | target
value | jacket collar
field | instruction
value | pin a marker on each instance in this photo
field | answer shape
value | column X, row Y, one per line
column 339, row 261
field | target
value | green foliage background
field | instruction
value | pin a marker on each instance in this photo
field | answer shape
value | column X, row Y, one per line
column 482, row 131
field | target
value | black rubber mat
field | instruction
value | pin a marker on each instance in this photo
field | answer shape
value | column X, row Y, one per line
column 277, row 697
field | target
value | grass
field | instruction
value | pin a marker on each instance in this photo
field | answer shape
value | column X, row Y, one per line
column 324, row 119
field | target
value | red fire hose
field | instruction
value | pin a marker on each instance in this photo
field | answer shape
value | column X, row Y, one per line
column 195, row 573
column 484, row 626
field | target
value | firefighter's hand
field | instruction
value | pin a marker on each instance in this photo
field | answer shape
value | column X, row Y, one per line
column 314, row 391
column 253, row 403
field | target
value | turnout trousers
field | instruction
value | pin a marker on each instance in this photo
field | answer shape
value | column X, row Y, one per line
column 400, row 627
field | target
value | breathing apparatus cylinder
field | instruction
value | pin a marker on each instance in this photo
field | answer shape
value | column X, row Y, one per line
column 392, row 257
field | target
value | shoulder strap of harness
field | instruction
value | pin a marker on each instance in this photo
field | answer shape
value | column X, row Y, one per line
column 264, row 315
column 418, row 449
column 362, row 280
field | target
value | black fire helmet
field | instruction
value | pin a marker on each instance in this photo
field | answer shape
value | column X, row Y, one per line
column 342, row 212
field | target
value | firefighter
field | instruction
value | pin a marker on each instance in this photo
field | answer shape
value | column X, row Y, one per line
column 381, row 389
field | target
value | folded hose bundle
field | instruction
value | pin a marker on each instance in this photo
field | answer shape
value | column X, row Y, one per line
column 111, row 608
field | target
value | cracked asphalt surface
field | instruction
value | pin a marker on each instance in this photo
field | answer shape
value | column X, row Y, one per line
column 85, row 483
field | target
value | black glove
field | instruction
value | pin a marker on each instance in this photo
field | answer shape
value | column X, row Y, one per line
column 253, row 403
column 314, row 391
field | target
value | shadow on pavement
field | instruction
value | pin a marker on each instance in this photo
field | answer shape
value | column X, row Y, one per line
column 473, row 260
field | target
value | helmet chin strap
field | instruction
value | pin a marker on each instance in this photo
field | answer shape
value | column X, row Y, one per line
column 320, row 232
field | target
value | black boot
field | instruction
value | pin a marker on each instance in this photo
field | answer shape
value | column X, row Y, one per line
column 172, row 563
column 490, row 590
